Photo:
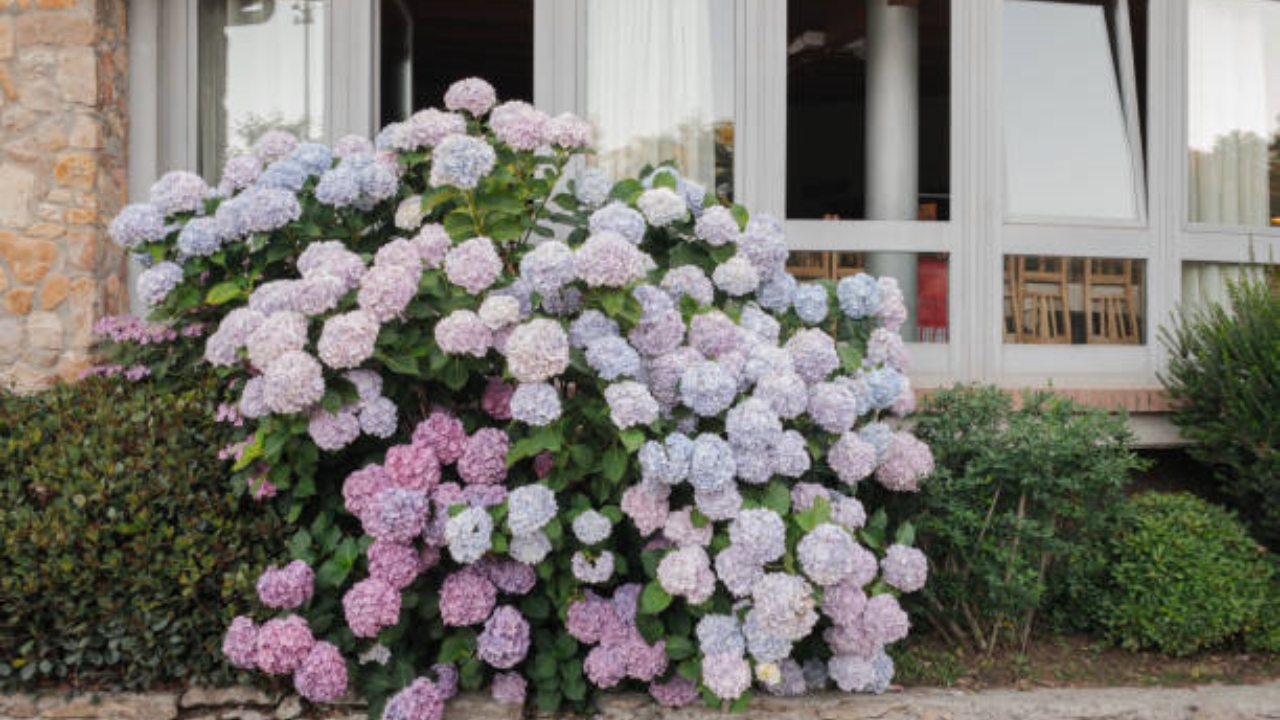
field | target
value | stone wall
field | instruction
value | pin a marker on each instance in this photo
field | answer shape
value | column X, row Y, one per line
column 63, row 123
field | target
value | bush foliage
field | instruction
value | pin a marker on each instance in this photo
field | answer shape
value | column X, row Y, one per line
column 1010, row 489
column 1175, row 573
column 1224, row 373
column 125, row 550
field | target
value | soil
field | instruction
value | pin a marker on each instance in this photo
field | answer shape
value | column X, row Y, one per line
column 1058, row 661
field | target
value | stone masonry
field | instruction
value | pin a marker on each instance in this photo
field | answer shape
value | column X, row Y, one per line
column 63, row 122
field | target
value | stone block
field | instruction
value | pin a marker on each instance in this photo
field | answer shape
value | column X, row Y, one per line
column 86, row 132
column 6, row 37
column 81, row 246
column 56, row 4
column 55, row 290
column 15, row 202
column 44, row 339
column 13, row 337
column 45, row 230
column 29, row 258
column 124, row 706
column 76, row 170
column 235, row 695
column 480, row 706
column 18, row 300
column 289, row 708
column 78, row 75
column 55, row 28
column 81, row 216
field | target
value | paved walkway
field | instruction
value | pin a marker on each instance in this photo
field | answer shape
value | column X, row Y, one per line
column 1209, row 702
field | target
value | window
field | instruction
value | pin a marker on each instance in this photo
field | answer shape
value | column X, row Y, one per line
column 1071, row 126
column 262, row 66
column 660, row 86
column 428, row 44
column 1207, row 282
column 868, row 110
column 1051, row 300
column 1233, row 112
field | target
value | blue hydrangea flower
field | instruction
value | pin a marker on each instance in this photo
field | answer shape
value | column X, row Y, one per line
column 859, row 295
column 156, row 282
column 884, row 385
column 136, row 224
column 200, row 237
column 707, row 388
column 283, row 175
column 315, row 157
column 338, row 187
column 618, row 218
column 613, row 357
column 711, row 464
column 776, row 292
column 460, row 161
column 535, row 404
column 810, row 302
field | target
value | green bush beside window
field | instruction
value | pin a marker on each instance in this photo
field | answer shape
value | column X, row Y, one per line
column 125, row 550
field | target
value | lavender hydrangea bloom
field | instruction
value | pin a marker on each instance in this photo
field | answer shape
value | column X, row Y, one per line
column 893, row 308
column 535, row 404
column 736, row 276
column 854, row 673
column 851, row 458
column 179, row 191
column 240, row 643
column 422, row 700
column 378, row 417
column 791, row 455
column 859, row 295
column 707, row 388
column 720, row 504
column 686, row 572
column 274, row 145
column 833, row 407
column 726, row 676
column 630, row 404
column 620, row 219
column 223, row 346
column 136, row 224
column 711, row 464
column 689, row 281
column 662, row 206
column 785, row 393
column 396, row 564
column 713, row 334
column 519, row 124
column 292, row 383
column 339, row 187
column 763, row 244
column 396, row 515
column 385, row 291
column 717, row 226
column 826, row 554
column 813, row 353
column 784, row 604
column 885, row 620
column 612, row 357
column 760, row 533
column 607, row 259
column 333, row 259
column 239, row 173
column 592, row 572
column 280, row 333
column 462, row 332
column 907, row 461
column 460, row 161
column 737, row 572
column 548, row 267
column 904, row 568
column 287, row 587
column 428, row 127
column 352, row 145
column 537, row 351
column 484, row 461
column 283, row 175
column 504, row 642
column 884, row 384
column 810, row 302
column 592, row 187
column 347, row 340
column 847, row 511
column 592, row 528
column 720, row 634
column 282, row 644
column 530, row 508
column 156, row 282
column 473, row 265
column 469, row 535
column 200, row 237
column 666, row 463
column 530, row 549
column 660, row 333
column 646, row 506
column 776, row 291
column 332, row 431
column 268, row 209
column 322, row 676
column 315, row 158
column 764, row 645
column 473, row 94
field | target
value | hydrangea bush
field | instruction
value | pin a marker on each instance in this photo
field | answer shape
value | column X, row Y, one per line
column 541, row 433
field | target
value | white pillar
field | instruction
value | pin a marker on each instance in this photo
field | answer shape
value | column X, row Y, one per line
column 893, row 121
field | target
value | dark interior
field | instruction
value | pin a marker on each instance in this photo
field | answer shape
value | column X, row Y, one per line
column 826, row 108
column 445, row 41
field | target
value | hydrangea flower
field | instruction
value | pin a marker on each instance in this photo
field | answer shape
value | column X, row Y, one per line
column 716, row 226
column 473, row 94
column 630, row 404
column 618, row 218
column 592, row 528
column 784, row 604
column 726, row 675
column 686, row 572
column 443, row 432
column 292, row 383
column 385, row 291
column 904, row 568
column 509, row 688
column 548, row 267
column 607, row 259
column 378, row 417
column 826, row 554
column 200, row 237
column 504, row 642
column 484, row 460
column 280, row 333
column 661, row 206
column 179, row 191
column 238, row 173
column 647, row 507
column 592, row 572
column 813, row 353
column 333, row 431
column 720, row 634
column 907, row 461
column 810, row 302
column 394, row 563
column 473, row 265
column 674, row 693
column 519, row 124
column 537, row 351
column 322, row 675
column 612, row 357
column 274, row 145
column 535, row 404
column 460, row 161
column 156, row 282
column 281, row 644
column 422, row 700
column 859, row 295
column 776, row 291
column 530, row 508
column 240, row 645
column 466, row 598
column 530, row 549
column 462, row 332
column 347, row 340
column 592, row 187
column 707, row 389
column 711, row 463
column 469, row 535
column 689, row 281
column 736, row 276
column 569, row 131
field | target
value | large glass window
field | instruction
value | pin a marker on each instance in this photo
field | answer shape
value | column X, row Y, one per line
column 868, row 110
column 660, row 86
column 1071, row 127
column 428, row 44
column 262, row 67
column 1233, row 112
column 1050, row 300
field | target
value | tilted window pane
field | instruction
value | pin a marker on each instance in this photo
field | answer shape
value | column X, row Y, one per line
column 660, row 86
column 1067, row 149
column 1233, row 112
column 262, row 67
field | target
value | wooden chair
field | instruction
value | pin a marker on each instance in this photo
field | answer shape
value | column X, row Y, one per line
column 1110, row 302
column 1042, row 300
column 848, row 263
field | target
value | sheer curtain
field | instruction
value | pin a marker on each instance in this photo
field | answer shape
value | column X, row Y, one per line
column 1228, row 120
column 650, row 85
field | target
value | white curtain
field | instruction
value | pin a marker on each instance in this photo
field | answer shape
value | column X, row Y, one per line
column 1205, row 283
column 1228, row 118
column 650, row 85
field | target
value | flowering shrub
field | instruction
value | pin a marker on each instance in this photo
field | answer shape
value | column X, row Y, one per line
column 550, row 434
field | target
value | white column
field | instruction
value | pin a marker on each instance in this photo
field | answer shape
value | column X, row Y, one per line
column 893, row 121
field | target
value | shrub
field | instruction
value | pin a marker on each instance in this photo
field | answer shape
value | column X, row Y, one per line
column 125, row 551
column 1224, row 375
column 538, row 432
column 1175, row 573
column 1010, row 490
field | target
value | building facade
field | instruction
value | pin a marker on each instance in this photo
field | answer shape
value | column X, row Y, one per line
column 1048, row 179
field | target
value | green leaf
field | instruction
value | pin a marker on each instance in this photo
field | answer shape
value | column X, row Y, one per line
column 436, row 197
column 505, row 229
column 457, row 647
column 778, row 498
column 679, row 648
column 740, row 214
column 544, row 666
column 653, row 599
column 632, row 439
column 906, row 534
column 224, row 292
column 613, row 302
column 615, row 464
column 459, row 224
column 399, row 364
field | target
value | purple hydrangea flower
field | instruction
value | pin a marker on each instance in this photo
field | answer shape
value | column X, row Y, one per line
column 607, row 259
column 907, row 461
column 736, row 276
column 156, row 282
column 509, row 688
column 484, row 460
column 240, row 646
column 630, row 404
column 537, row 351
column 859, row 295
column 904, row 568
column 460, row 161
column 462, row 332
column 472, row 94
column 466, row 598
column 292, row 383
column 519, row 124
column 717, row 226
column 322, row 676
column 282, row 644
column 618, row 218
column 347, row 340
column 504, row 642
column 179, row 192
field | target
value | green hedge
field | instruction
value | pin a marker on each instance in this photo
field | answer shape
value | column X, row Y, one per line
column 1175, row 573
column 125, row 549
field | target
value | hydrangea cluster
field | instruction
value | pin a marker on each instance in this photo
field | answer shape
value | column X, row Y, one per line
column 510, row 405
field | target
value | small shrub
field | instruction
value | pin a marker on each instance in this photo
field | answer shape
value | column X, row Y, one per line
column 1175, row 573
column 1010, row 489
column 1224, row 373
column 124, row 551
